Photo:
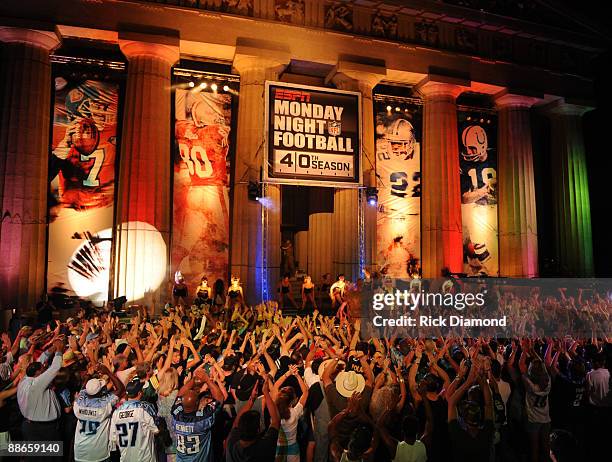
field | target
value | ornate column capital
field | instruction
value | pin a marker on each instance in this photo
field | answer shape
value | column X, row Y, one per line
column 153, row 46
column 505, row 99
column 434, row 86
column 48, row 40
column 356, row 76
column 251, row 56
column 562, row 107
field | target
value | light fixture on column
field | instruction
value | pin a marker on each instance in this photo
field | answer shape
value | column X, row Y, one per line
column 254, row 191
column 372, row 196
column 389, row 108
column 191, row 84
column 213, row 87
column 203, row 85
column 225, row 88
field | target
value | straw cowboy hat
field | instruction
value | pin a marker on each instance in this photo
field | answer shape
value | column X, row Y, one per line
column 350, row 382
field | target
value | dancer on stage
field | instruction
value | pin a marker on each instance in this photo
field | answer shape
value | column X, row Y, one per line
column 179, row 290
column 284, row 291
column 203, row 293
column 308, row 292
column 234, row 293
column 336, row 291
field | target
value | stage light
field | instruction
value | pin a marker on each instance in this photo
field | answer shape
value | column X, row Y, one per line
column 468, row 118
column 372, row 196
column 481, row 121
column 203, row 85
column 191, row 84
column 254, row 191
column 93, row 284
column 397, row 109
column 406, row 110
column 388, row 108
column 225, row 88
column 213, row 87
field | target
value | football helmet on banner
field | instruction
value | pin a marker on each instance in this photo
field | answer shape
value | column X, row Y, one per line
column 87, row 101
column 474, row 139
column 398, row 139
column 206, row 111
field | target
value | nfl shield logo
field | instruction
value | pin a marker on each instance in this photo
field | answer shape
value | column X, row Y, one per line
column 334, row 128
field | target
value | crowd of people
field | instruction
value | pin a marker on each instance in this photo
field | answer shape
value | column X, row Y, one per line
column 223, row 381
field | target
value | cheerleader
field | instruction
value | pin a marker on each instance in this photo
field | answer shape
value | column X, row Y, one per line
column 179, row 289
column 203, row 293
column 234, row 293
column 284, row 291
column 336, row 291
column 308, row 292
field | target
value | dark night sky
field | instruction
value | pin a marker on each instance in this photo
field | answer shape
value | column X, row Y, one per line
column 598, row 143
column 597, row 131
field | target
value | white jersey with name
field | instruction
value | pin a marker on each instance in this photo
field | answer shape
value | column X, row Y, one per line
column 133, row 431
column 92, row 435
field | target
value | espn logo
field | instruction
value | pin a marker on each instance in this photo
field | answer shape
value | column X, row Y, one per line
column 292, row 95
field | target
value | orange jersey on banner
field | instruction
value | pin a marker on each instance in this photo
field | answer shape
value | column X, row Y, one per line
column 204, row 151
column 87, row 181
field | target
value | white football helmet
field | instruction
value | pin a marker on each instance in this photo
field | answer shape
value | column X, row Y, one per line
column 206, row 111
column 400, row 135
column 475, row 143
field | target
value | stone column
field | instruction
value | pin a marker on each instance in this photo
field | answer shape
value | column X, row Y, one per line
column 144, row 202
column 255, row 66
column 25, row 115
column 571, row 203
column 441, row 194
column 518, row 229
column 362, row 78
column 321, row 242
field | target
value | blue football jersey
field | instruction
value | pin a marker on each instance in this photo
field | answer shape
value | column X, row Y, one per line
column 193, row 431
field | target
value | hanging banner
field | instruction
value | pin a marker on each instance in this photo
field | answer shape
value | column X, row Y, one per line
column 82, row 188
column 478, row 163
column 398, row 171
column 313, row 135
column 200, row 233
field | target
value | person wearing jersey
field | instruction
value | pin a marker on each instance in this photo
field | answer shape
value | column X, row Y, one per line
column 193, row 417
column 537, row 385
column 86, row 171
column 93, row 408
column 478, row 178
column 399, row 168
column 133, row 426
column 201, row 214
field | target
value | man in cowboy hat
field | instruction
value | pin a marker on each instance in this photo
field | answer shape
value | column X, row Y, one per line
column 346, row 384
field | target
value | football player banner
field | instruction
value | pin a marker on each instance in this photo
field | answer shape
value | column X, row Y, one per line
column 82, row 188
column 478, row 164
column 313, row 135
column 200, row 233
column 398, row 172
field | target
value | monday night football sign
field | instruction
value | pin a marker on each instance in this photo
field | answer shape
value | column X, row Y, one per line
column 313, row 135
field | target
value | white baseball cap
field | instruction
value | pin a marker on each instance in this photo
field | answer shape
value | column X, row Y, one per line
column 94, row 386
